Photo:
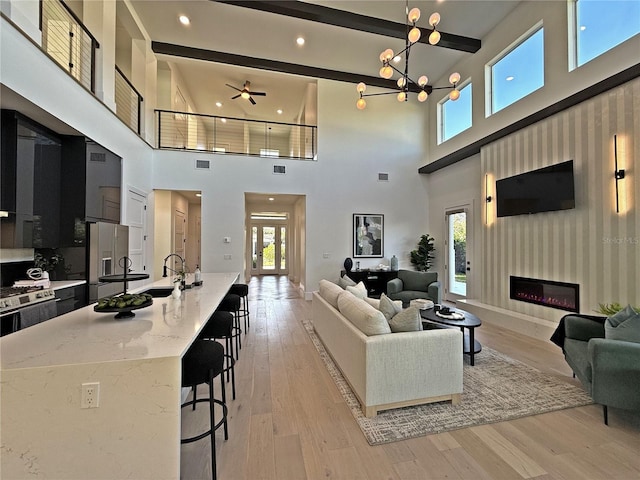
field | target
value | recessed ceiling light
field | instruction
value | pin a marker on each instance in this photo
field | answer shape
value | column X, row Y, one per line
column 279, row 111
column 509, row 78
column 223, row 120
column 184, row 20
column 198, row 194
column 271, row 199
column 218, row 104
column 396, row 59
column 300, row 41
column 583, row 28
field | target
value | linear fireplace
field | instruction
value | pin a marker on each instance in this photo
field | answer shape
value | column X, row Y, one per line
column 565, row 296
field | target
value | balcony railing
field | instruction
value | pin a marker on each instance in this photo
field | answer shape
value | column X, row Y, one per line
column 208, row 133
column 68, row 41
column 128, row 102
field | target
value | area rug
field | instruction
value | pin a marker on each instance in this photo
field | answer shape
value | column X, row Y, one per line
column 496, row 389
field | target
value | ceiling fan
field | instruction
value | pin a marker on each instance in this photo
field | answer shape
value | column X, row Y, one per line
column 246, row 92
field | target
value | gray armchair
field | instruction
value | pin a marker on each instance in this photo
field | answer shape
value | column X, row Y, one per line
column 608, row 369
column 410, row 285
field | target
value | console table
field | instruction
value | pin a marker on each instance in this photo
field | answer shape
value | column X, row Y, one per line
column 374, row 280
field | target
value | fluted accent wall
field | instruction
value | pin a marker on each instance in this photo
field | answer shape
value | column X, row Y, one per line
column 590, row 245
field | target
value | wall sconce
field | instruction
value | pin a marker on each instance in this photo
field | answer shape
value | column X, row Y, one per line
column 618, row 174
column 488, row 199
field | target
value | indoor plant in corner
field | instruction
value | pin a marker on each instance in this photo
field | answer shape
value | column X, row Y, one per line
column 423, row 256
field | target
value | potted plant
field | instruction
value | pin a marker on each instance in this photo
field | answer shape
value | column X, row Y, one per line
column 423, row 256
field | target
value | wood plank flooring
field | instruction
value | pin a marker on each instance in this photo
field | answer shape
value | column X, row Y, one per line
column 289, row 422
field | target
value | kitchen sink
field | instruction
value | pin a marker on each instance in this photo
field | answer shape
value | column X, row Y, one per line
column 158, row 292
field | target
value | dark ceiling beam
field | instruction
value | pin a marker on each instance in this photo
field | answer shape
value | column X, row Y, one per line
column 354, row 21
column 274, row 65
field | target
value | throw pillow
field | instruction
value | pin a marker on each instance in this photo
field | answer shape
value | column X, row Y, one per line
column 388, row 308
column 330, row 291
column 624, row 314
column 359, row 290
column 362, row 315
column 346, row 281
column 408, row 320
column 374, row 302
column 627, row 331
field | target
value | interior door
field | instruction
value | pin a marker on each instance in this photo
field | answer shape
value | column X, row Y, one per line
column 179, row 237
column 137, row 221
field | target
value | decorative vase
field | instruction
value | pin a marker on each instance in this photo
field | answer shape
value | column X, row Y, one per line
column 394, row 263
column 348, row 264
column 176, row 290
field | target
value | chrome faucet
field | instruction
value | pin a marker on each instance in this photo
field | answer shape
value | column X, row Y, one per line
column 181, row 272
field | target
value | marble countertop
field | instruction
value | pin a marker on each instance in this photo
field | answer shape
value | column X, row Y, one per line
column 60, row 284
column 165, row 329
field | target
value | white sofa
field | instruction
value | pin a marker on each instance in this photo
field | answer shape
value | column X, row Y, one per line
column 391, row 370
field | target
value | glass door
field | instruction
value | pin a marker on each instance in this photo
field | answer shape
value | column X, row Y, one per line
column 457, row 265
column 269, row 249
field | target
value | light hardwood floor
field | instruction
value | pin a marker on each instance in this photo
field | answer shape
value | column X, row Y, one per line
column 289, row 421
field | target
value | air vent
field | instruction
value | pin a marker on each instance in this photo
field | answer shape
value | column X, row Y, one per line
column 203, row 164
column 279, row 169
column 98, row 157
column 383, row 177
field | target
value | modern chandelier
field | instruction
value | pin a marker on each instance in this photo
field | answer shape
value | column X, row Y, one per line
column 405, row 83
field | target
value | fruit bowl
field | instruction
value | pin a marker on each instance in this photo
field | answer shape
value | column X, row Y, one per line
column 123, row 305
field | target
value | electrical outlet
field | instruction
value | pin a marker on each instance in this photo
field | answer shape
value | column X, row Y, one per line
column 90, row 396
column 227, row 256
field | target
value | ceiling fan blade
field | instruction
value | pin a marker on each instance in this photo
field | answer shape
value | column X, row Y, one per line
column 235, row 88
column 258, row 94
column 253, row 102
column 233, row 98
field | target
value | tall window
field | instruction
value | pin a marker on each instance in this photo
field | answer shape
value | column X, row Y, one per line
column 600, row 25
column 454, row 116
column 518, row 71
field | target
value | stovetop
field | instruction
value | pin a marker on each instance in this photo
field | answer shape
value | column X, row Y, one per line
column 12, row 298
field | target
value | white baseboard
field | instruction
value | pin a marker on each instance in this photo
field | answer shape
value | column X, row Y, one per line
column 518, row 322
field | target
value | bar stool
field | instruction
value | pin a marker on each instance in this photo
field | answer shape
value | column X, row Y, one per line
column 231, row 303
column 242, row 290
column 202, row 363
column 220, row 326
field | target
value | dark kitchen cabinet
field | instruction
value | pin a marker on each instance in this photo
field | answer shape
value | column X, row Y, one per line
column 71, row 298
column 30, row 169
column 91, row 180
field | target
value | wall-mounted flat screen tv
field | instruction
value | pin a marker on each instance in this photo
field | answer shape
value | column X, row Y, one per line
column 543, row 190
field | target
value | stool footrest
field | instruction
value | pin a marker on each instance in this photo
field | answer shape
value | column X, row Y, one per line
column 225, row 411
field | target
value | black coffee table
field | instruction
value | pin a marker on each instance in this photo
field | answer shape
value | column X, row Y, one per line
column 470, row 322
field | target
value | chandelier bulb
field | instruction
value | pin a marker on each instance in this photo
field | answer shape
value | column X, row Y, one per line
column 361, row 104
column 422, row 96
column 361, row 87
column 414, row 35
column 388, row 54
column 454, row 95
column 401, row 82
column 414, row 15
column 386, row 72
column 434, row 19
column 454, row 78
column 423, row 80
column 402, row 96
column 434, row 37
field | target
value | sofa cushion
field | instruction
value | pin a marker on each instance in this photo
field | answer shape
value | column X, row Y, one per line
column 407, row 320
column 624, row 314
column 359, row 290
column 627, row 331
column 388, row 307
column 330, row 291
column 346, row 281
column 363, row 316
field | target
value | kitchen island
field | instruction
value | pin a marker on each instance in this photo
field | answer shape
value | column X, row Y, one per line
column 135, row 430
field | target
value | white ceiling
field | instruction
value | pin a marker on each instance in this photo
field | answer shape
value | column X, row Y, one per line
column 243, row 31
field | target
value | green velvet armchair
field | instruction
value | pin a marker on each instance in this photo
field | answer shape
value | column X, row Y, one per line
column 608, row 369
column 410, row 285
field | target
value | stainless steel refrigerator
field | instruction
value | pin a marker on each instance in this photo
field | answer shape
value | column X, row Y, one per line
column 108, row 245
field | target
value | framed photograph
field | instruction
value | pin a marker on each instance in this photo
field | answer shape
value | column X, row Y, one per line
column 368, row 235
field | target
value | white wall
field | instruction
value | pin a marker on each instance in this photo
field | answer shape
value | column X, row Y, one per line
column 353, row 147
